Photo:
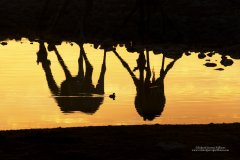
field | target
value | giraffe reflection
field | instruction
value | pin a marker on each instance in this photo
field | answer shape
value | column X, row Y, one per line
column 150, row 98
column 76, row 93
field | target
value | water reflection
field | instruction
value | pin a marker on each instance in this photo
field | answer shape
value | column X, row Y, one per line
column 76, row 93
column 179, row 88
column 150, row 98
column 225, row 60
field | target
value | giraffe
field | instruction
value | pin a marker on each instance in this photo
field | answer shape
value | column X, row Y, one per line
column 150, row 97
column 76, row 93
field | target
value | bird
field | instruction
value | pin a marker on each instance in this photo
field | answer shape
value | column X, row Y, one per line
column 226, row 62
column 201, row 55
column 112, row 96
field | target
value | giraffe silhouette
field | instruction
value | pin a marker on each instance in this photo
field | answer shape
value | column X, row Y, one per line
column 150, row 98
column 76, row 93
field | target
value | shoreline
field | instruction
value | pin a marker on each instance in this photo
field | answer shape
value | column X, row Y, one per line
column 123, row 142
column 121, row 125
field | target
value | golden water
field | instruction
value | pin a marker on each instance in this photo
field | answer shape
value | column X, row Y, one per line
column 194, row 93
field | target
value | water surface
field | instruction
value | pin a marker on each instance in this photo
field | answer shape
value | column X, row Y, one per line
column 43, row 96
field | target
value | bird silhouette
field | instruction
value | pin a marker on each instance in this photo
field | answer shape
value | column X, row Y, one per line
column 113, row 96
column 226, row 62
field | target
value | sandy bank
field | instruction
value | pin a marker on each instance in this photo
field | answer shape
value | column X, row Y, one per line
column 123, row 142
